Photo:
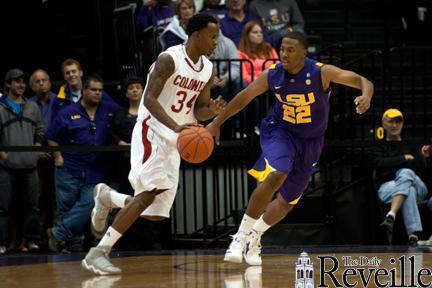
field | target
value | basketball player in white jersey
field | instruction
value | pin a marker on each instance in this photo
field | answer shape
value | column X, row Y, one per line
column 177, row 94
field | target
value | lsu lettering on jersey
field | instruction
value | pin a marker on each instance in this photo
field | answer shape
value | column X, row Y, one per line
column 180, row 92
column 302, row 104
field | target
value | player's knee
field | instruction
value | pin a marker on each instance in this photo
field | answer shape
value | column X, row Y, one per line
column 275, row 180
column 284, row 204
column 144, row 199
column 154, row 218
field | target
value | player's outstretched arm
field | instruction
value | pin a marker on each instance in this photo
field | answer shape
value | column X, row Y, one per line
column 163, row 69
column 243, row 98
column 205, row 107
column 334, row 74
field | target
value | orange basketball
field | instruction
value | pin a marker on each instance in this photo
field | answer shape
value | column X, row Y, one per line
column 195, row 144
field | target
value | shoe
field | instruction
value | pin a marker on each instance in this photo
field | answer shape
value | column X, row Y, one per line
column 100, row 282
column 97, row 262
column 30, row 247
column 412, row 240
column 54, row 244
column 388, row 224
column 103, row 206
column 235, row 250
column 3, row 249
column 425, row 242
column 252, row 253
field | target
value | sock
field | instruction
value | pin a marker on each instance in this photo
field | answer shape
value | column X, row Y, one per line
column 260, row 226
column 391, row 214
column 246, row 224
column 110, row 238
column 118, row 199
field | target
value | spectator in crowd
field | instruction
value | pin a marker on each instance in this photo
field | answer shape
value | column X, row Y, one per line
column 278, row 17
column 85, row 123
column 254, row 48
column 232, row 25
column 71, row 92
column 40, row 84
column 214, row 7
column 227, row 81
column 122, row 127
column 155, row 14
column 21, row 125
column 175, row 33
column 427, row 151
column 400, row 168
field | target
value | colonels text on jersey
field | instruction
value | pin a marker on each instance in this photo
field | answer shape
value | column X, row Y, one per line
column 179, row 94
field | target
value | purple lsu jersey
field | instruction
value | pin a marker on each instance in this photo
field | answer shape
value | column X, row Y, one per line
column 302, row 104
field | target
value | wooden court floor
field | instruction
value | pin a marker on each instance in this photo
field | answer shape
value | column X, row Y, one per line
column 205, row 268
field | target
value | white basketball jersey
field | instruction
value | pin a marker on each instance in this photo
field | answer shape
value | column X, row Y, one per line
column 180, row 91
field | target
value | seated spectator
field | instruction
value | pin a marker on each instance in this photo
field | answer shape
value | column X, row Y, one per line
column 400, row 168
column 227, row 81
column 232, row 25
column 214, row 7
column 175, row 33
column 278, row 17
column 71, row 92
column 427, row 151
column 18, row 174
column 155, row 14
column 85, row 123
column 254, row 48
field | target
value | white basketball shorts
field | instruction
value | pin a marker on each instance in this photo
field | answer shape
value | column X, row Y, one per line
column 155, row 163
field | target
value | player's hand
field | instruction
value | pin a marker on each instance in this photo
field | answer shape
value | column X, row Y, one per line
column 217, row 105
column 362, row 103
column 408, row 157
column 426, row 150
column 215, row 131
column 179, row 128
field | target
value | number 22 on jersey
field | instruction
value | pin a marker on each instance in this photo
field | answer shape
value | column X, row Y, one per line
column 297, row 108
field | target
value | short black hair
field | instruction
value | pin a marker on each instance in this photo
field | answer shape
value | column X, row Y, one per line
column 94, row 78
column 133, row 80
column 200, row 21
column 299, row 36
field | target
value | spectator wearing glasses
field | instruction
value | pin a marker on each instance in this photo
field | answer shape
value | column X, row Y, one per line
column 85, row 123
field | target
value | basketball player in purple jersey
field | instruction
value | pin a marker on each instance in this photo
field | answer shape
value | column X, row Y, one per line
column 291, row 137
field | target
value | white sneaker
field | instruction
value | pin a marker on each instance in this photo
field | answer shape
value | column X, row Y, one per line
column 252, row 252
column 97, row 261
column 234, row 252
column 103, row 206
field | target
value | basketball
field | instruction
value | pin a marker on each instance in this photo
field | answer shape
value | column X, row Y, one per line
column 195, row 144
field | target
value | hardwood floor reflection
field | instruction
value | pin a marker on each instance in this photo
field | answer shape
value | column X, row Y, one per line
column 192, row 269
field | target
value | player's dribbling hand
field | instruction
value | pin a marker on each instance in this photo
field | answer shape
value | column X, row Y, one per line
column 362, row 103
column 215, row 131
column 179, row 128
column 217, row 105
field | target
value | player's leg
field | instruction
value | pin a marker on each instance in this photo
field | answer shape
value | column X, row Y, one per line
column 105, row 199
column 260, row 198
column 97, row 260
